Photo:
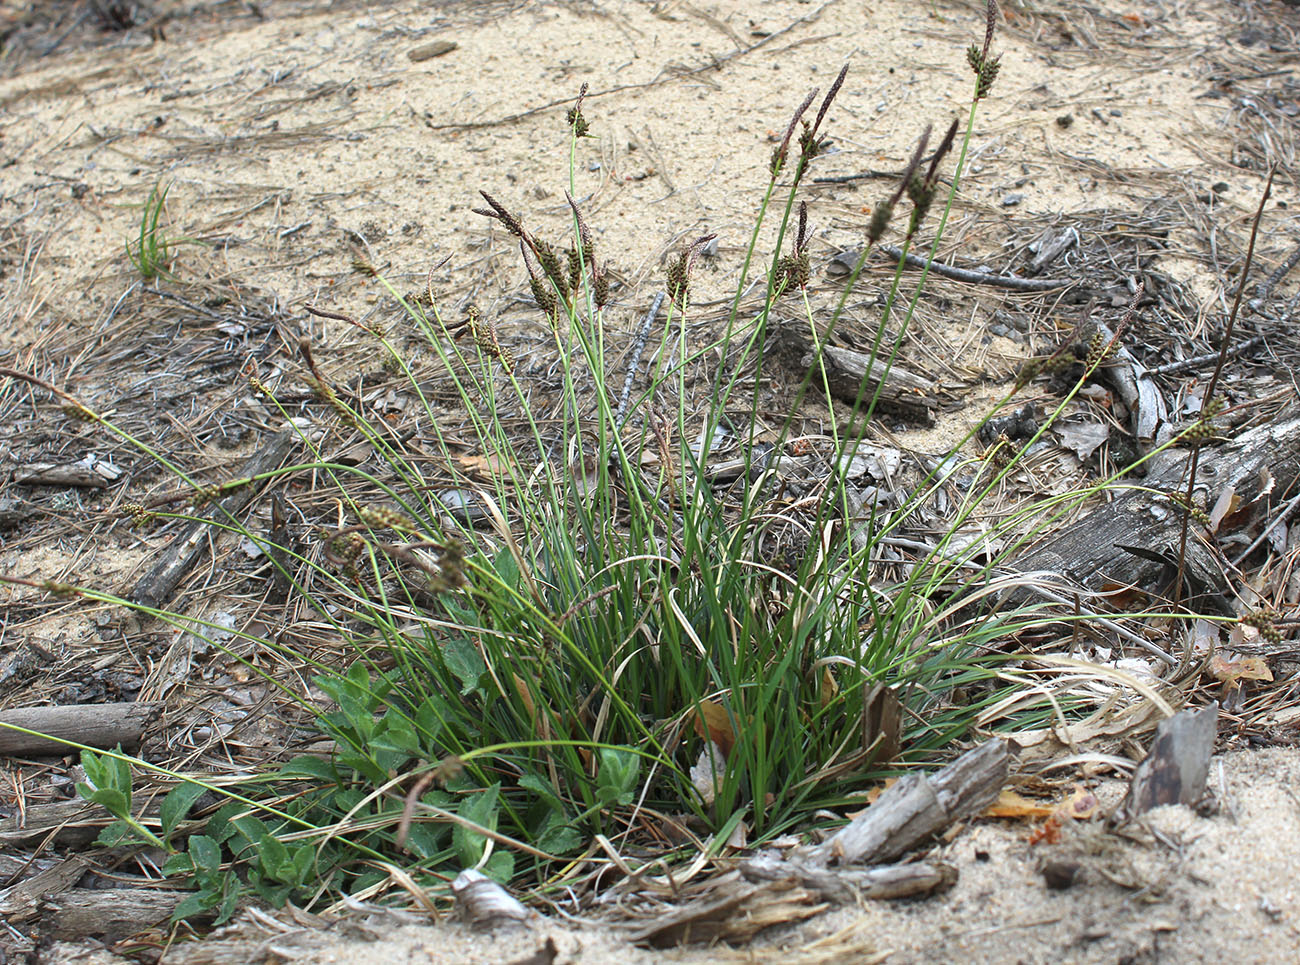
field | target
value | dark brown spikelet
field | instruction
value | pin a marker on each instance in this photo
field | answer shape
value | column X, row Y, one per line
column 543, row 293
column 499, row 213
column 779, row 155
column 678, row 280
column 882, row 214
column 551, row 266
column 578, row 123
column 599, row 286
column 795, row 271
column 985, row 67
column 679, row 272
column 584, row 234
column 811, row 144
column 574, row 262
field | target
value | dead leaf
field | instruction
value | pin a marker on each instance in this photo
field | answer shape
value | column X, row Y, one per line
column 1227, row 502
column 1017, row 807
column 706, row 773
column 1247, row 668
column 1084, row 438
column 494, row 465
column 830, row 687
column 713, row 723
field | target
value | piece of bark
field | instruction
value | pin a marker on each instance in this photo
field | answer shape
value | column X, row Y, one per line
column 52, row 474
column 734, row 912
column 1175, row 768
column 22, row 901
column 1134, row 385
column 107, row 914
column 185, row 551
column 845, row 885
column 95, row 725
column 851, row 375
column 918, row 806
column 71, row 823
column 1133, row 540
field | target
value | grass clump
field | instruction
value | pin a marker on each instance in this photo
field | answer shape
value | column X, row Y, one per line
column 152, row 252
column 615, row 652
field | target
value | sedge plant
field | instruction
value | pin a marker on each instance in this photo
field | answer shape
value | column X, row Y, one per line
column 608, row 654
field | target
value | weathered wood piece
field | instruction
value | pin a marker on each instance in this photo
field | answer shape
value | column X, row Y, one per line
column 1133, row 540
column 185, row 551
column 852, row 376
column 96, row 725
column 71, row 823
column 734, row 912
column 845, row 885
column 108, row 914
column 21, row 902
column 1134, row 385
column 1175, row 768
column 918, row 806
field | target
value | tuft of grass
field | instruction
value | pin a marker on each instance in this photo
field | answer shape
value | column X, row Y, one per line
column 580, row 641
column 152, row 252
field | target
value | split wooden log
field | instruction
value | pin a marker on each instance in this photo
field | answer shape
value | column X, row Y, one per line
column 854, row 377
column 185, row 551
column 1133, row 540
column 918, row 806
column 107, row 914
column 71, row 823
column 889, row 881
column 95, row 725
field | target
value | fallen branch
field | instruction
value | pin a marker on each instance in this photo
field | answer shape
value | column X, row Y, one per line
column 1013, row 282
column 158, row 585
column 95, row 725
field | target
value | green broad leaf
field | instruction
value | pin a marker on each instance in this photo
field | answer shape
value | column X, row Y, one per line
column 274, row 857
column 176, row 805
column 463, row 660
column 481, row 808
column 303, row 861
column 119, row 832
column 617, row 779
column 178, row 864
column 425, row 839
column 229, row 905
column 195, row 904
column 219, row 828
column 309, row 766
column 112, row 800
column 500, row 867
column 543, row 789
column 205, row 853
column 558, row 837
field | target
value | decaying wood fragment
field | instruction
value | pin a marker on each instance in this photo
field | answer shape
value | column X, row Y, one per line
column 844, row 885
column 95, row 725
column 1175, row 768
column 71, row 823
column 21, row 902
column 158, row 585
column 108, row 914
column 919, row 806
column 852, row 376
column 1134, row 385
column 734, row 912
column 1133, row 540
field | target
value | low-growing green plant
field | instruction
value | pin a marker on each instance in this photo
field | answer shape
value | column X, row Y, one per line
column 152, row 253
column 621, row 647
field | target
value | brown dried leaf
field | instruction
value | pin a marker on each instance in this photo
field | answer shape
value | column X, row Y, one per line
column 713, row 723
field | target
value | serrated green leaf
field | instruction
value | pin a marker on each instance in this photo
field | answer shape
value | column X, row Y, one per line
column 481, row 808
column 274, row 857
column 463, row 659
column 195, row 904
column 176, row 805
column 115, row 834
column 205, row 853
column 313, row 767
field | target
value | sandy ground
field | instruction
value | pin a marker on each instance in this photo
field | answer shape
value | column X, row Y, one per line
column 1177, row 887
column 290, row 133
